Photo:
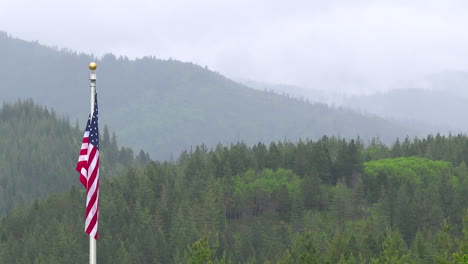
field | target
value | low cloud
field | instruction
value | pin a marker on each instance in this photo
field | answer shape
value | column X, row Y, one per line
column 307, row 43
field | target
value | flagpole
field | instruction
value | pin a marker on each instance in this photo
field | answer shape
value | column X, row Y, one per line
column 92, row 78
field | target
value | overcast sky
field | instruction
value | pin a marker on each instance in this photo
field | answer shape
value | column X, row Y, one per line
column 305, row 43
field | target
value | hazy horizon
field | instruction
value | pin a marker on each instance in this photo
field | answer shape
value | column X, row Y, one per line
column 345, row 46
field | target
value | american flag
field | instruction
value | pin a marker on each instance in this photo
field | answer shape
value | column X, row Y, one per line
column 88, row 167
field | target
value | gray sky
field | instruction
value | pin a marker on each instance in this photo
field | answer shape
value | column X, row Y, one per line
column 311, row 43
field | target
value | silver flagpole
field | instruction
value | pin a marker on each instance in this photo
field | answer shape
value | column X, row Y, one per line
column 92, row 78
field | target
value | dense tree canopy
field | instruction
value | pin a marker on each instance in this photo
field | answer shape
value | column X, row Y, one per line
column 40, row 151
column 325, row 201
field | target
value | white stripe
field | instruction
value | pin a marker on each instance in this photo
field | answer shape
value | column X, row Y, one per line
column 93, row 163
column 82, row 158
column 92, row 212
column 93, row 231
column 84, row 172
column 92, row 190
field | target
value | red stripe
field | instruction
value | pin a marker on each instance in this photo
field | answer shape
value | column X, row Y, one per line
column 94, row 220
column 91, row 155
column 83, row 180
column 93, row 175
column 91, row 202
column 92, row 224
column 94, row 171
column 81, row 164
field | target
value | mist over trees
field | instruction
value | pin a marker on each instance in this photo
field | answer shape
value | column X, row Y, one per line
column 167, row 106
column 443, row 103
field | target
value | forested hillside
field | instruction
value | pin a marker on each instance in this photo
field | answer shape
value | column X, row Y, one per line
column 166, row 106
column 40, row 150
column 326, row 201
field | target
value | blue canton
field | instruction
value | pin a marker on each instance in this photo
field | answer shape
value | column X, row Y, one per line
column 93, row 128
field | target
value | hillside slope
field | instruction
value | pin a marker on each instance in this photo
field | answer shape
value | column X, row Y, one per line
column 39, row 154
column 165, row 106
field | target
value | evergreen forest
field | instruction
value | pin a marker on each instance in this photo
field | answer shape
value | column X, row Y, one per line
column 40, row 151
column 175, row 105
column 330, row 200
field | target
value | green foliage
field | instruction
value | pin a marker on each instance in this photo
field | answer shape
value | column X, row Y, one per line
column 394, row 250
column 40, row 154
column 305, row 249
column 412, row 169
column 380, row 174
column 227, row 206
column 200, row 252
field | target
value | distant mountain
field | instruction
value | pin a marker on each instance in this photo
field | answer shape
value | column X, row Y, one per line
column 440, row 100
column 455, row 82
column 166, row 106
column 295, row 91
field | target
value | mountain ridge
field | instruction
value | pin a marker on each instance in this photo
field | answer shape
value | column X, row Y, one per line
column 166, row 106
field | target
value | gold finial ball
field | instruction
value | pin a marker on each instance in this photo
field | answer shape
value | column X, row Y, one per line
column 92, row 66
